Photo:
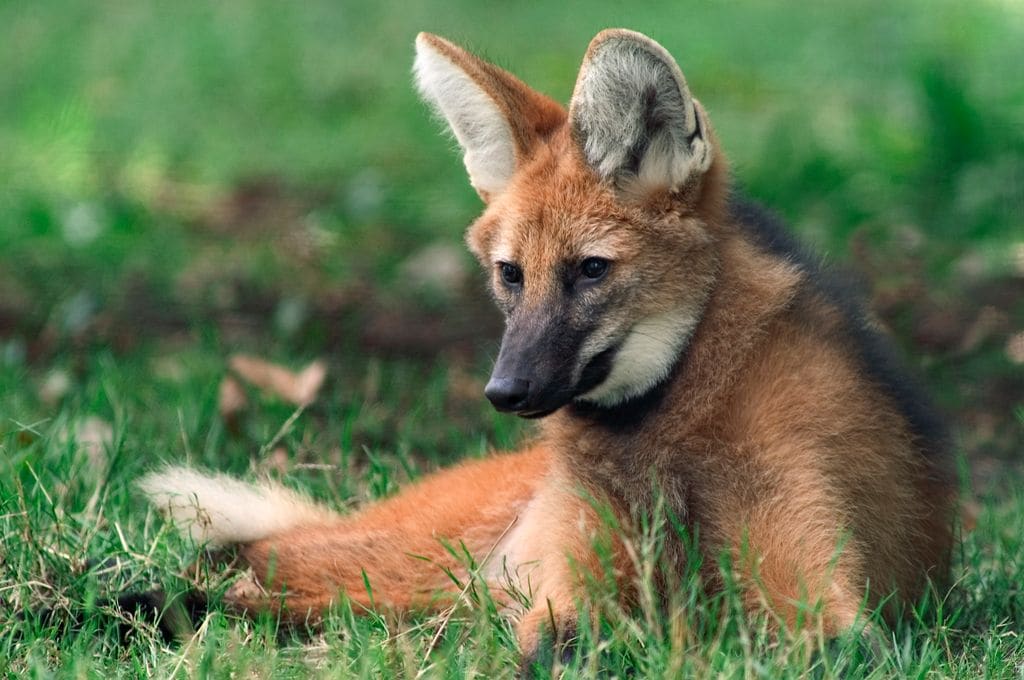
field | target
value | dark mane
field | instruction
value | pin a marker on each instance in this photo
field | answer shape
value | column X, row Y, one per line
column 877, row 355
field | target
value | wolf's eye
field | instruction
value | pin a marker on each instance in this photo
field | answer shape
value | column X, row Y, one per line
column 594, row 267
column 511, row 274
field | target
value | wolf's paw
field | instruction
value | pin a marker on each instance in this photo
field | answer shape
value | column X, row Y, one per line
column 547, row 642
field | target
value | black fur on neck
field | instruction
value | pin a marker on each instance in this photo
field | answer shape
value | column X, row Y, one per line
column 632, row 412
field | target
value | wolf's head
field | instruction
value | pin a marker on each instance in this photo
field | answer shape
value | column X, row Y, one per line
column 598, row 233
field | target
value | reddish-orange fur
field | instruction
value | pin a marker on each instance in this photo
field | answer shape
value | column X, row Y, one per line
column 771, row 440
column 400, row 542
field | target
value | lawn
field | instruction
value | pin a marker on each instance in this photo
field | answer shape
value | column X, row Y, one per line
column 183, row 182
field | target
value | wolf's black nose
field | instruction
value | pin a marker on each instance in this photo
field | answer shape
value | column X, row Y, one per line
column 507, row 394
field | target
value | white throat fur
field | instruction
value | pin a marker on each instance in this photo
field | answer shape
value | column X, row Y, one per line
column 644, row 359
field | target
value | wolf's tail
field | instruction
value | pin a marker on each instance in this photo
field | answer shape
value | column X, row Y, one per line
column 221, row 510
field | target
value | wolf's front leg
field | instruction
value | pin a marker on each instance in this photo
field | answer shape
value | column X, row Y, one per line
column 558, row 549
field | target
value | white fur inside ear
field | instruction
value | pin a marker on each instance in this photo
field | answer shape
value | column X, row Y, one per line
column 635, row 117
column 644, row 359
column 473, row 116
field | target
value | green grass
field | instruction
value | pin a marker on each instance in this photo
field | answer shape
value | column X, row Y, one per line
column 64, row 519
column 182, row 181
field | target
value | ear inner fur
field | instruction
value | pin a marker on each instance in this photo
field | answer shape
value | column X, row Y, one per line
column 496, row 117
column 633, row 116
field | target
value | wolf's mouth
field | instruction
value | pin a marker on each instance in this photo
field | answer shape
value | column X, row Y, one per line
column 597, row 370
column 593, row 374
column 534, row 415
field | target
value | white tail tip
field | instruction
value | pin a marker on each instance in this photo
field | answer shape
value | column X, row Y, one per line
column 219, row 509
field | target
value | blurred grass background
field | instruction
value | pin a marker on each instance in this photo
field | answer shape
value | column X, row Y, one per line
column 261, row 171
column 180, row 181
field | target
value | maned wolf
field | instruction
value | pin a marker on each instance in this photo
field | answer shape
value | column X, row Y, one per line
column 685, row 359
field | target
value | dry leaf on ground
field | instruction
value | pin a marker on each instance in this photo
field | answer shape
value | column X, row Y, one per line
column 970, row 510
column 1015, row 348
column 297, row 388
column 231, row 400
column 54, row 387
column 92, row 435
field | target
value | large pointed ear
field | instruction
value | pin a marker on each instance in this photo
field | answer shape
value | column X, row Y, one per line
column 496, row 119
column 633, row 117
